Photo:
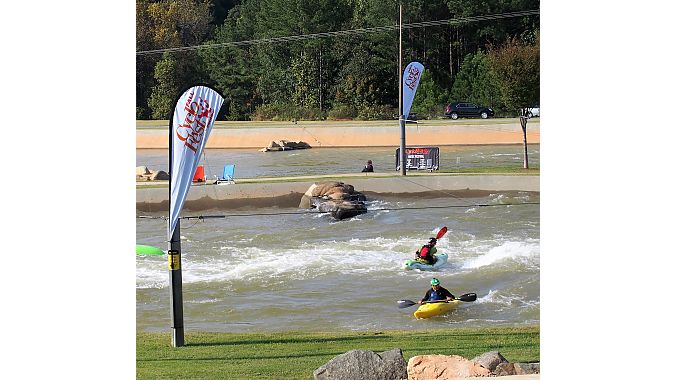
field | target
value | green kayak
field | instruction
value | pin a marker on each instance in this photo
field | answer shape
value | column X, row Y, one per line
column 148, row 250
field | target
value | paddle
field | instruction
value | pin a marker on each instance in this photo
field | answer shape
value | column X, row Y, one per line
column 469, row 297
column 441, row 232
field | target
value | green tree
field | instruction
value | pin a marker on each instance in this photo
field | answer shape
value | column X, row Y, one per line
column 429, row 98
column 166, row 89
column 368, row 76
column 168, row 24
column 517, row 69
column 471, row 37
column 476, row 82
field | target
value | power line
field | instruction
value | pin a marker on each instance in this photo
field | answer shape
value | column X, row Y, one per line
column 379, row 29
column 314, row 213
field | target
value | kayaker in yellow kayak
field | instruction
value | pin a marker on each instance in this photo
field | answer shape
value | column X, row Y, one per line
column 436, row 293
column 426, row 253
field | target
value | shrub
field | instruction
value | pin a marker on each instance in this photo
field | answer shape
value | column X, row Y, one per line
column 342, row 112
column 141, row 113
column 377, row 112
column 286, row 112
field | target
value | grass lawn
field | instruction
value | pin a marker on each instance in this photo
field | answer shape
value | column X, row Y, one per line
column 346, row 177
column 153, row 124
column 294, row 355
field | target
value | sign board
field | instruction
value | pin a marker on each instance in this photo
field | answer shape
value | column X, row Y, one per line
column 174, row 259
column 420, row 158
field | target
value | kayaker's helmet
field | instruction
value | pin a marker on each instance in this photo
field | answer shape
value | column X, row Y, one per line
column 433, row 240
column 435, row 281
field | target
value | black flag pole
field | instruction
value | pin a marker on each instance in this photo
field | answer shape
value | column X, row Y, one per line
column 402, row 122
column 176, row 287
column 174, row 256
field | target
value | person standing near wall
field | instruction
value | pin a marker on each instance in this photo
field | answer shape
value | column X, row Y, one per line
column 368, row 167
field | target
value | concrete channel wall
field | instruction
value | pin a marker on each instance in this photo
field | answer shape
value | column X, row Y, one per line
column 508, row 132
column 288, row 194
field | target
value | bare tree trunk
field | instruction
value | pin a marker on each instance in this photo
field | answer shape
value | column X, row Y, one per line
column 524, row 120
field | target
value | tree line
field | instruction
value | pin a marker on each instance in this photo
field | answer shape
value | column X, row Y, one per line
column 349, row 76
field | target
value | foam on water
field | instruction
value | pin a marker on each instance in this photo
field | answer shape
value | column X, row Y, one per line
column 305, row 262
column 227, row 263
column 522, row 252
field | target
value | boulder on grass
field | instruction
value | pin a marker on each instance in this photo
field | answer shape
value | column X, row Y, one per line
column 364, row 365
column 504, row 369
column 432, row 367
column 526, row 368
column 490, row 360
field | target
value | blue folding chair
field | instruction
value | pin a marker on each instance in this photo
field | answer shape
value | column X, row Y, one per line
column 228, row 175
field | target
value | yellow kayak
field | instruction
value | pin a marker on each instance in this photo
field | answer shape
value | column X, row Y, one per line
column 433, row 309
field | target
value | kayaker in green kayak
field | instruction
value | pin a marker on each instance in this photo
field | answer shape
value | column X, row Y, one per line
column 426, row 253
column 436, row 293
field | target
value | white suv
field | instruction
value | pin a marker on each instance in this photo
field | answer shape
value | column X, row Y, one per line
column 533, row 111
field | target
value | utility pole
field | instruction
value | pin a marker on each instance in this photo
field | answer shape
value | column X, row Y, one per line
column 524, row 120
column 402, row 122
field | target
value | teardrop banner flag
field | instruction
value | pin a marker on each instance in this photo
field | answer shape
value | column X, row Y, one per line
column 191, row 124
column 410, row 81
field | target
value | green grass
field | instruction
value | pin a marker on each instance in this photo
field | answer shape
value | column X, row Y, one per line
column 344, row 177
column 494, row 170
column 153, row 124
column 294, row 355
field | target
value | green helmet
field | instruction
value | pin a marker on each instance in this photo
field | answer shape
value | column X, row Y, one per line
column 435, row 281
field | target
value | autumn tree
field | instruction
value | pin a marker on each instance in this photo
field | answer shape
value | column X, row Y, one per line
column 517, row 68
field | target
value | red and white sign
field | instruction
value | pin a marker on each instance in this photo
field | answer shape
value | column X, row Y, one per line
column 192, row 121
column 410, row 79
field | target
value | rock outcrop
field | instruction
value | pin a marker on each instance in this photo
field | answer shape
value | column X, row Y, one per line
column 360, row 364
column 432, row 367
column 490, row 360
column 338, row 198
column 504, row 369
column 281, row 145
column 364, row 365
column 526, row 368
column 145, row 174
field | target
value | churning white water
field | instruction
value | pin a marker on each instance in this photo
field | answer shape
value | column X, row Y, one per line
column 307, row 272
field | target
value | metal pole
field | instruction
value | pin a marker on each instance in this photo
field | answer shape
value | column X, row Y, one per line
column 176, row 288
column 174, row 256
column 402, row 122
column 524, row 122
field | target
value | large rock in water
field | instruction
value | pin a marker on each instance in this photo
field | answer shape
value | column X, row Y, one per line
column 432, row 367
column 364, row 365
column 338, row 198
column 281, row 145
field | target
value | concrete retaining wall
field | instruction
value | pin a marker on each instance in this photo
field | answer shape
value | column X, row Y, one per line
column 354, row 136
column 288, row 194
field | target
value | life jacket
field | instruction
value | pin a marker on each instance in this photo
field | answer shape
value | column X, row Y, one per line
column 425, row 252
column 435, row 295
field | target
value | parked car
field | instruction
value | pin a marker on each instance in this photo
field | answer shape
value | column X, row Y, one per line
column 533, row 111
column 465, row 109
